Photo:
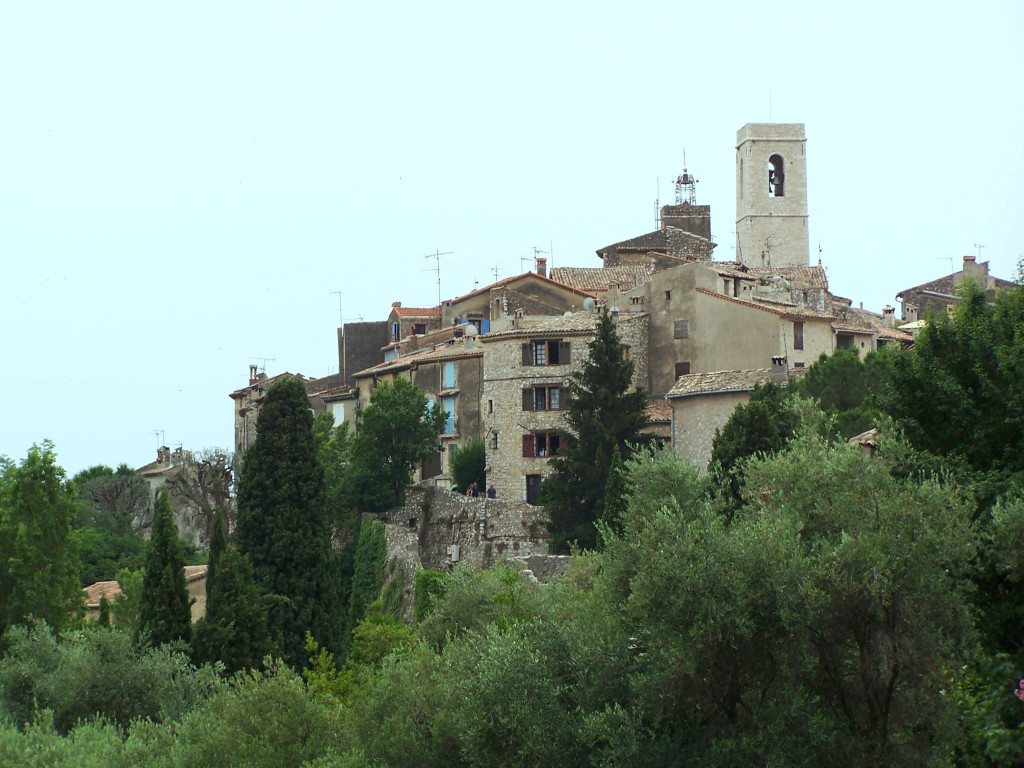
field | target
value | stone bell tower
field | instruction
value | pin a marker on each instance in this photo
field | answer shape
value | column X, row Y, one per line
column 771, row 195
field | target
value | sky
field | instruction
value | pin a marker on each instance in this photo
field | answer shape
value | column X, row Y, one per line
column 184, row 186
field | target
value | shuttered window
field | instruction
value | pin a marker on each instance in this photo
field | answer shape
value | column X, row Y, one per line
column 682, row 369
column 798, row 335
column 528, row 446
column 681, row 329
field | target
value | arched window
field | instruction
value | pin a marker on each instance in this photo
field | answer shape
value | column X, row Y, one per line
column 776, row 175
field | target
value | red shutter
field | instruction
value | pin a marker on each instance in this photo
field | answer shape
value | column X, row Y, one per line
column 528, row 446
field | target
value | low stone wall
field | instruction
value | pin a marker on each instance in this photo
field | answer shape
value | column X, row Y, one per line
column 448, row 528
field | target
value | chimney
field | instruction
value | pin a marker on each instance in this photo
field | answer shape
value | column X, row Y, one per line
column 974, row 270
column 163, row 455
column 889, row 316
column 542, row 266
column 396, row 304
column 780, row 370
column 253, row 374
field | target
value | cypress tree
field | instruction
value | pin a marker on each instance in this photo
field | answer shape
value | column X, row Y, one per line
column 235, row 628
column 282, row 525
column 218, row 540
column 615, row 493
column 104, row 620
column 164, row 612
column 602, row 414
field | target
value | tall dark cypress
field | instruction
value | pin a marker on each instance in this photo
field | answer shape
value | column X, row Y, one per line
column 282, row 526
column 164, row 612
column 218, row 540
column 603, row 413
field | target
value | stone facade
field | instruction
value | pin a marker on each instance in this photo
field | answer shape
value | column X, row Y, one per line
column 526, row 294
column 940, row 295
column 481, row 530
column 514, row 385
column 359, row 347
column 771, row 195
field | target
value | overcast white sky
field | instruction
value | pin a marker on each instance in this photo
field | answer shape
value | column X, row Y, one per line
column 183, row 185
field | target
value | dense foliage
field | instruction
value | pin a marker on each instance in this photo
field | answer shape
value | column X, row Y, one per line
column 164, row 608
column 397, row 431
column 603, row 415
column 282, row 525
column 38, row 558
column 468, row 466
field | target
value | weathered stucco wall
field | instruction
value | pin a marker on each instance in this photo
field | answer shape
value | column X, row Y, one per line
column 695, row 420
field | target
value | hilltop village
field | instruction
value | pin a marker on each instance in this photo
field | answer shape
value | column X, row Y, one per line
column 701, row 333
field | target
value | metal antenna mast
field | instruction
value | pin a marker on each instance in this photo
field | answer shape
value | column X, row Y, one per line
column 979, row 246
column 159, row 435
column 495, row 271
column 536, row 252
column 265, row 361
column 436, row 256
column 341, row 315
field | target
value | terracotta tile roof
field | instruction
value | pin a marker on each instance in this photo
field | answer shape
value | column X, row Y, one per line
column 868, row 439
column 782, row 310
column 946, row 286
column 515, row 278
column 266, row 382
column 660, row 240
column 725, row 381
column 108, row 589
column 894, row 335
column 417, row 312
column 624, row 277
column 195, row 573
column 801, row 277
column 575, row 323
column 443, row 352
column 658, row 411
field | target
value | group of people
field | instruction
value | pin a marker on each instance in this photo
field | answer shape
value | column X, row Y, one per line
column 474, row 491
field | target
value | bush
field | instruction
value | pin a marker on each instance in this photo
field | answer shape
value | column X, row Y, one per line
column 97, row 672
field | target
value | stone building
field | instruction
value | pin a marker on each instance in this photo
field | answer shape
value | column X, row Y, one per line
column 526, row 365
column 531, row 293
column 941, row 295
column 703, row 402
column 771, row 195
column 412, row 321
column 450, row 374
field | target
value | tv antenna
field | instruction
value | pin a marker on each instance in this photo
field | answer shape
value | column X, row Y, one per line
column 946, row 258
column 537, row 252
column 495, row 271
column 159, row 435
column 265, row 360
column 979, row 246
column 341, row 315
column 657, row 204
column 436, row 256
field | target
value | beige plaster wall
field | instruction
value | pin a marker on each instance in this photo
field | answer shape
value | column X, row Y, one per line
column 695, row 420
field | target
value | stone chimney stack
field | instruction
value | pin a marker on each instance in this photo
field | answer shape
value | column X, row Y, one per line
column 163, row 455
column 780, row 370
column 254, row 374
column 542, row 266
column 975, row 271
column 396, row 303
column 889, row 316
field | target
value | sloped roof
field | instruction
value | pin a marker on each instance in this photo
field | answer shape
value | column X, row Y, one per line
column 515, row 278
column 441, row 352
column 714, row 382
column 660, row 240
column 94, row 592
column 802, row 277
column 195, row 573
column 625, row 277
column 947, row 285
column 658, row 411
column 417, row 312
column 575, row 323
column 264, row 382
column 790, row 312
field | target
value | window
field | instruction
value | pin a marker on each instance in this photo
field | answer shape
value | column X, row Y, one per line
column 490, row 406
column 541, row 444
column 681, row 329
column 448, row 404
column 844, row 340
column 448, row 375
column 547, row 397
column 419, row 328
column 395, row 330
column 553, row 352
column 798, row 335
column 682, row 369
column 668, row 298
column 776, row 175
column 798, row 365
column 494, row 441
column 637, row 300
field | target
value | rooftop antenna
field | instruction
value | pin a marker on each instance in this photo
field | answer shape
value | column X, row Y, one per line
column 263, row 368
column 979, row 246
column 495, row 271
column 686, row 186
column 523, row 260
column 819, row 253
column 159, row 435
column 436, row 256
column 341, row 315
column 657, row 204
column 946, row 258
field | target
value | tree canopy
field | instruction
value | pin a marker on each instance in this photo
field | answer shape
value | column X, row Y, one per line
column 165, row 613
column 282, row 526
